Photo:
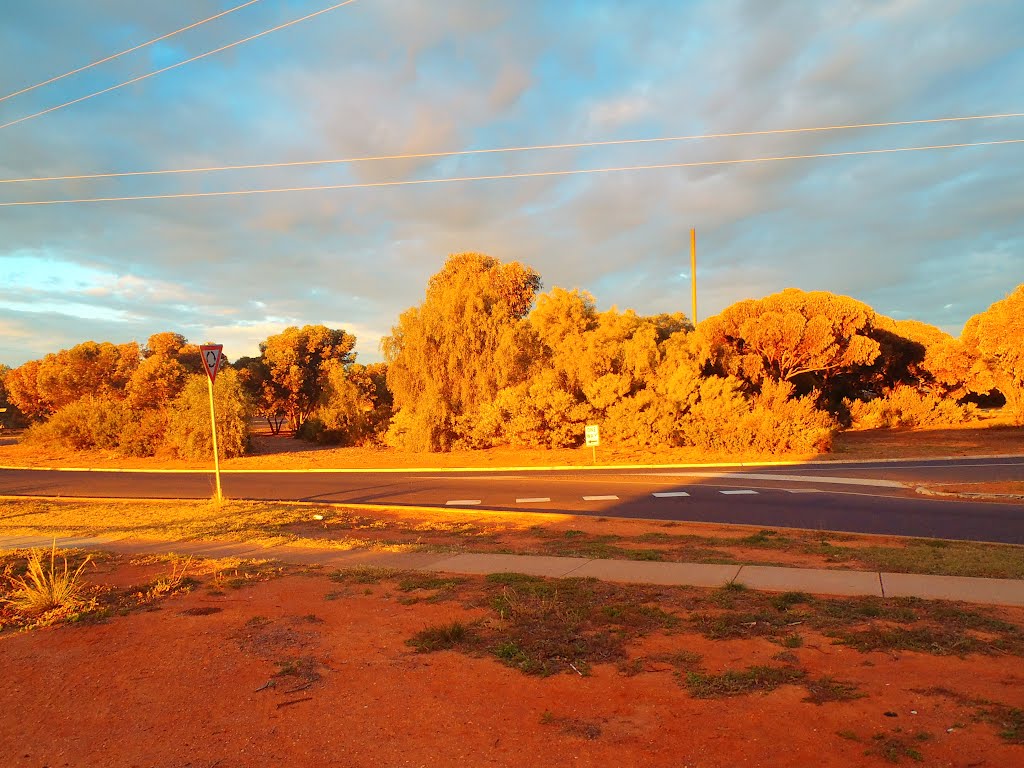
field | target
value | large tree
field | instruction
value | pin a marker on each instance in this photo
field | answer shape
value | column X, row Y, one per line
column 167, row 362
column 789, row 334
column 40, row 387
column 299, row 361
column 997, row 337
column 450, row 355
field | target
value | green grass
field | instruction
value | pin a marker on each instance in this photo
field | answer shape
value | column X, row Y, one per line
column 738, row 683
column 442, row 637
column 894, row 747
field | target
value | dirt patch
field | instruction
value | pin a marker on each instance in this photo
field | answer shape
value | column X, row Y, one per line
column 282, row 675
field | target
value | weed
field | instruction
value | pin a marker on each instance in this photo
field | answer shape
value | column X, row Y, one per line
column 736, row 683
column 893, row 748
column 414, row 581
column 826, row 689
column 848, row 735
column 364, row 574
column 442, row 637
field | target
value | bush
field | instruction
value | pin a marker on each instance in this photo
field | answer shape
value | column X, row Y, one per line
column 145, row 432
column 87, row 423
column 905, row 406
column 188, row 428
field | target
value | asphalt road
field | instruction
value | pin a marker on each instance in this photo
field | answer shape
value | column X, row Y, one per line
column 870, row 497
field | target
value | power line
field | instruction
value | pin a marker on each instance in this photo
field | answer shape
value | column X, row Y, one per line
column 127, row 51
column 448, row 180
column 455, row 153
column 179, row 64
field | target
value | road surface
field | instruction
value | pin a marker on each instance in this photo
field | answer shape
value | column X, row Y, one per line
column 869, row 497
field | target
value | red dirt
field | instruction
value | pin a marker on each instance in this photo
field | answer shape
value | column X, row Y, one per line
column 163, row 688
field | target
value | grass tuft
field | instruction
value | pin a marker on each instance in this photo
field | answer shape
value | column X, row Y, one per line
column 46, row 588
column 737, row 683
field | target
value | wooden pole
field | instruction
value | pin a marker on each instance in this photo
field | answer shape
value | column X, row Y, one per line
column 216, row 451
column 693, row 276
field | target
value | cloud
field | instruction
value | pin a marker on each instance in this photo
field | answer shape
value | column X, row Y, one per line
column 908, row 232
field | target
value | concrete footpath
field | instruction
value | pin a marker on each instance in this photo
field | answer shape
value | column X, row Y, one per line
column 767, row 578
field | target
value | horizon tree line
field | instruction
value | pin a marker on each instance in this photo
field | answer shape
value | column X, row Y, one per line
column 488, row 360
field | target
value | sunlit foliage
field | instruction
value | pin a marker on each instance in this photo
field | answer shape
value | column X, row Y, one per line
column 451, row 355
column 299, row 361
column 997, row 337
column 791, row 333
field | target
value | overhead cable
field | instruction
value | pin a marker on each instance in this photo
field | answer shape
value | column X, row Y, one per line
column 128, row 50
column 178, row 64
column 533, row 174
column 463, row 152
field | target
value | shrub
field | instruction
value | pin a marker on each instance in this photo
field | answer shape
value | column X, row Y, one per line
column 188, row 428
column 905, row 406
column 90, row 422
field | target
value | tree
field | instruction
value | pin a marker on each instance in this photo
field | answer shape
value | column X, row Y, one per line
column 997, row 337
column 299, row 360
column 10, row 414
column 790, row 334
column 167, row 362
column 267, row 397
column 90, row 368
column 356, row 406
column 22, row 385
column 450, row 356
column 188, row 429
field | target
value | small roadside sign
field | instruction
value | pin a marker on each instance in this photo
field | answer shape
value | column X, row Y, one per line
column 211, row 362
column 593, row 435
column 211, row 358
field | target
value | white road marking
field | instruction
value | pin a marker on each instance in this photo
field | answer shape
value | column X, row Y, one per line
column 744, row 492
column 669, row 494
column 789, row 478
column 600, row 498
column 802, row 490
column 462, row 502
column 537, row 500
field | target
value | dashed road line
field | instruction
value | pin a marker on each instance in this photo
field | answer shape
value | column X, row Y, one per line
column 802, row 490
column 461, row 502
column 669, row 494
column 537, row 500
column 744, row 492
column 600, row 498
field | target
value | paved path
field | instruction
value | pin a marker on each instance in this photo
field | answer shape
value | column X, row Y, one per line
column 768, row 578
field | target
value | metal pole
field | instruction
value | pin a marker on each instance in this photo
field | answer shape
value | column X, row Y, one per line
column 693, row 275
column 216, row 451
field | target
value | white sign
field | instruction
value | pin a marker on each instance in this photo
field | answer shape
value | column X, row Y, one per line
column 211, row 358
column 593, row 435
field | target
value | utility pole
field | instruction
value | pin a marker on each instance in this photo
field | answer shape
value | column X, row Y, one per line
column 693, row 276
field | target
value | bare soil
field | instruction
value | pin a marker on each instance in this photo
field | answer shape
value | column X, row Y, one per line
column 306, row 671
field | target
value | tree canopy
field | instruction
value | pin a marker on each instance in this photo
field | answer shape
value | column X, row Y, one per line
column 451, row 354
column 997, row 337
column 299, row 361
column 791, row 333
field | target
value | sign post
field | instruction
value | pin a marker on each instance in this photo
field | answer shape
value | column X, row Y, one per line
column 593, row 435
column 211, row 354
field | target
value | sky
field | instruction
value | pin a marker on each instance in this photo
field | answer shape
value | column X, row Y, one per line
column 936, row 236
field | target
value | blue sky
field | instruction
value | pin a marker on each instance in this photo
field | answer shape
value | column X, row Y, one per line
column 936, row 236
